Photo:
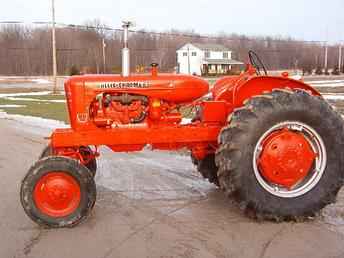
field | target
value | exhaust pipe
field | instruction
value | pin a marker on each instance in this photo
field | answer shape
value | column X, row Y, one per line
column 125, row 50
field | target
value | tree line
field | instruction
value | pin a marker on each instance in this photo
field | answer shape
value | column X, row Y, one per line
column 27, row 50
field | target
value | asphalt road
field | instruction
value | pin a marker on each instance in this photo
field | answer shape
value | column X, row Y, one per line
column 150, row 204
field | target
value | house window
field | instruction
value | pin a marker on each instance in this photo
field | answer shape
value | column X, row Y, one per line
column 207, row 54
column 193, row 54
column 185, row 53
column 225, row 55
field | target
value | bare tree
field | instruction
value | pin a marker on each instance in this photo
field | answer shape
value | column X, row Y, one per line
column 27, row 50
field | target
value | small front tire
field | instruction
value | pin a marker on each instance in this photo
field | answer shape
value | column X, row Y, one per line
column 58, row 192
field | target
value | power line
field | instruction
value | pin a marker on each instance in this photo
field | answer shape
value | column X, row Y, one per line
column 170, row 34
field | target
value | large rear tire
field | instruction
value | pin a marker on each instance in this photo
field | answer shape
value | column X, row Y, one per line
column 58, row 192
column 267, row 119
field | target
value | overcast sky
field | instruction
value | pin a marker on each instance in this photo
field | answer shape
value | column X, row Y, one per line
column 301, row 19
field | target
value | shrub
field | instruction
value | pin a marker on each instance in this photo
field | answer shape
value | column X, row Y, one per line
column 318, row 71
column 335, row 71
column 74, row 71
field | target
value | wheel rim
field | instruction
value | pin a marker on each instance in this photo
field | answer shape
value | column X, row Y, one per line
column 57, row 194
column 289, row 159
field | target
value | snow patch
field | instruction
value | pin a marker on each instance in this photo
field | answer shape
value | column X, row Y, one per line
column 12, row 106
column 37, row 100
column 35, row 125
column 41, row 81
column 16, row 96
column 186, row 121
column 39, row 93
column 296, row 77
column 333, row 97
column 324, row 82
column 327, row 85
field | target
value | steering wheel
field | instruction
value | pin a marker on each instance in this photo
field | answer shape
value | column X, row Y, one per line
column 257, row 63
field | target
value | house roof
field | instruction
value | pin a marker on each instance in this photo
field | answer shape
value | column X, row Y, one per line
column 210, row 47
column 223, row 61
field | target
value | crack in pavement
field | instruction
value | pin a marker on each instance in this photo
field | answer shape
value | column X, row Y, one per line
column 32, row 242
column 160, row 218
column 267, row 245
column 32, row 140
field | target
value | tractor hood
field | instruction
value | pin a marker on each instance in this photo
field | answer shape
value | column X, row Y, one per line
column 171, row 88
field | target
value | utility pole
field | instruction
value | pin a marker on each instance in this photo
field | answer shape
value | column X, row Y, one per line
column 189, row 72
column 326, row 55
column 104, row 58
column 340, row 58
column 54, row 48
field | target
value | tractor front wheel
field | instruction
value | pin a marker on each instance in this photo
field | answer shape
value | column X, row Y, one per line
column 281, row 156
column 58, row 192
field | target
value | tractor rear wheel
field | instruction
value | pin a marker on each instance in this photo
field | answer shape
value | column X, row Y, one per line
column 207, row 168
column 84, row 150
column 281, row 156
column 58, row 192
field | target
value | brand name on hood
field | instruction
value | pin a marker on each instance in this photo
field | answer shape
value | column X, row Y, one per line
column 120, row 85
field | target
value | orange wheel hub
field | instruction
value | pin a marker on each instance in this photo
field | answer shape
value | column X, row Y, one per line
column 57, row 194
column 286, row 158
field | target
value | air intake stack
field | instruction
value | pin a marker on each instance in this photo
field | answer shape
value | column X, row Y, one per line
column 125, row 50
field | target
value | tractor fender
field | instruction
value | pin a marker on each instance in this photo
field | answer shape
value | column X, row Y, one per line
column 237, row 93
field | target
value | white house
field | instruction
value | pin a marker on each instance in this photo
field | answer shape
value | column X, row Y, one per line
column 205, row 59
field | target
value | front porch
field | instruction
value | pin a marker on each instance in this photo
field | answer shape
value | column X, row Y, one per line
column 220, row 67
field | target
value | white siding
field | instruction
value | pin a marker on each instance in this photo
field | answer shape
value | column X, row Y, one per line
column 195, row 62
column 192, row 64
column 219, row 54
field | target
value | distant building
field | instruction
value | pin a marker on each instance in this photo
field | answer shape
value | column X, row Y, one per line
column 205, row 59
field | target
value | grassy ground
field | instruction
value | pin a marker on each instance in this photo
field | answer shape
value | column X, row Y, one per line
column 44, row 97
column 187, row 112
column 21, row 90
column 51, row 110
column 211, row 81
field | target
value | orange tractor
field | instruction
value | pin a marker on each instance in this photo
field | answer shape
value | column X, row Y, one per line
column 272, row 143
